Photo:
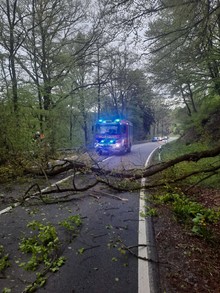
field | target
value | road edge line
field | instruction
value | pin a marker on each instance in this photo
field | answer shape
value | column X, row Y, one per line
column 147, row 273
column 16, row 204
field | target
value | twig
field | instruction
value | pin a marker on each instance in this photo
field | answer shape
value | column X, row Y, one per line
column 91, row 247
column 26, row 195
column 203, row 179
column 112, row 195
column 128, row 248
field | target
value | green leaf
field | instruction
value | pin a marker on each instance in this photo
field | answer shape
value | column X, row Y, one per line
column 114, row 259
column 81, row 250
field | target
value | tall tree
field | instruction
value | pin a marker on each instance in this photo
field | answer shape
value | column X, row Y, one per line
column 184, row 42
column 11, row 40
column 53, row 28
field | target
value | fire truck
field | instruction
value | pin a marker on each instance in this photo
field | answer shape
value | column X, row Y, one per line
column 113, row 136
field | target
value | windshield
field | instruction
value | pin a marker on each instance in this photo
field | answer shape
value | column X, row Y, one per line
column 108, row 129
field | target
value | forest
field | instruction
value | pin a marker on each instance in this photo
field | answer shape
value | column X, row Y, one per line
column 66, row 64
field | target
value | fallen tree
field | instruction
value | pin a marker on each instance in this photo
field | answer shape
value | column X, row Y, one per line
column 125, row 180
column 67, row 165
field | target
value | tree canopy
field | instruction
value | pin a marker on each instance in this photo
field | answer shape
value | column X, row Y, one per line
column 66, row 64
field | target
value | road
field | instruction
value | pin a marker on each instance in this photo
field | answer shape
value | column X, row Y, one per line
column 96, row 261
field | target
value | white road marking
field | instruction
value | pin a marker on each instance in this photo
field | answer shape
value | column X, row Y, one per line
column 8, row 209
column 106, row 159
column 143, row 266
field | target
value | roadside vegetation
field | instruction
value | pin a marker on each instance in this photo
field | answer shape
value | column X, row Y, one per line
column 186, row 217
column 179, row 195
column 4, row 259
column 206, row 179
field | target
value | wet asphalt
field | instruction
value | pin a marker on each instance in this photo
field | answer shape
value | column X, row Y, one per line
column 96, row 258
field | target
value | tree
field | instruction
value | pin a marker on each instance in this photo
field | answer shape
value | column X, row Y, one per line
column 183, row 35
column 11, row 40
column 52, row 26
column 187, row 38
column 46, row 35
column 161, row 114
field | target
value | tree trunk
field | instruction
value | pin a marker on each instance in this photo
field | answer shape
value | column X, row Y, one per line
column 12, row 69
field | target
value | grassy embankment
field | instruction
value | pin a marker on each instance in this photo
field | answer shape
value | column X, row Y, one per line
column 182, row 196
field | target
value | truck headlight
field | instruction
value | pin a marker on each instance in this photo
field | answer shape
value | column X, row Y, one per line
column 117, row 145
